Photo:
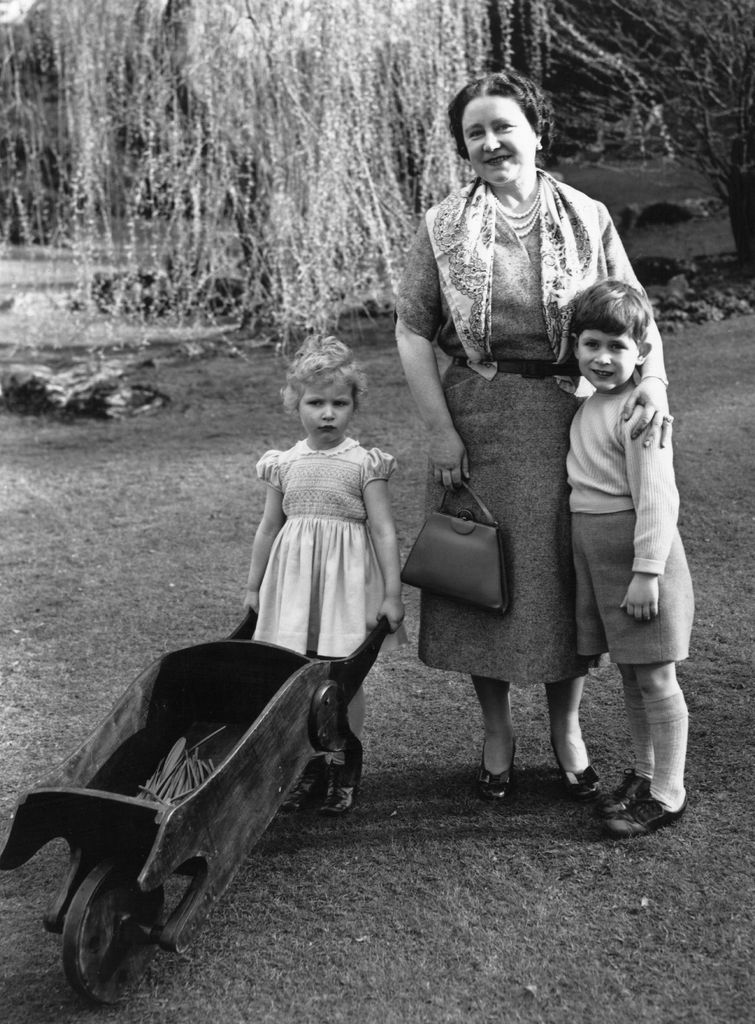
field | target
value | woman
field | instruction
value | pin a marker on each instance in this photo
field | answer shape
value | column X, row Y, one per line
column 491, row 277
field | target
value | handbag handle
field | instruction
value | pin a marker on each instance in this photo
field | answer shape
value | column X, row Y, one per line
column 480, row 503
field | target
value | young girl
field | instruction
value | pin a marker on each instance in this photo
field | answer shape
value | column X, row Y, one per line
column 325, row 560
column 634, row 593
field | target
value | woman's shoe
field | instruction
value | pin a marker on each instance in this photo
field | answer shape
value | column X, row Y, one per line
column 632, row 787
column 582, row 785
column 495, row 787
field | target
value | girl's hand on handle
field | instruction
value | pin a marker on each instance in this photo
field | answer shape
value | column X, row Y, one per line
column 393, row 610
column 383, row 531
column 252, row 600
column 641, row 598
column 648, row 413
column 448, row 457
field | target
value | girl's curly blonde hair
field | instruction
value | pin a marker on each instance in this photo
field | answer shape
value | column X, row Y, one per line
column 327, row 361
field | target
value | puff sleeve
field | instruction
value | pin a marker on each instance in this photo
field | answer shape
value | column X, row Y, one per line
column 268, row 469
column 377, row 465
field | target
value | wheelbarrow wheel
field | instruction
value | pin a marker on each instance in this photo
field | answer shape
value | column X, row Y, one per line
column 107, row 940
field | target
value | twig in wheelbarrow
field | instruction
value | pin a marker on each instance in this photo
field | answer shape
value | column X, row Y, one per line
column 179, row 773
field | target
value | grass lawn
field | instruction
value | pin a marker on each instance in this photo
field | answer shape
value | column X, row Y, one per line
column 122, row 540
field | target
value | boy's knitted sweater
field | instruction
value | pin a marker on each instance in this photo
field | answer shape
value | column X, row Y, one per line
column 609, row 472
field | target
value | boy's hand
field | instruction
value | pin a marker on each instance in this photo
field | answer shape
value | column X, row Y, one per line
column 641, row 598
column 392, row 609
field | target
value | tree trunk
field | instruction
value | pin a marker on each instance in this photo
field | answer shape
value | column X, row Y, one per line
column 742, row 212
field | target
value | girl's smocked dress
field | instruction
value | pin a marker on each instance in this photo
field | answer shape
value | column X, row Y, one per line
column 323, row 586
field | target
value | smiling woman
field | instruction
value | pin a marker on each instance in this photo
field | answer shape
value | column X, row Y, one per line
column 501, row 145
column 492, row 276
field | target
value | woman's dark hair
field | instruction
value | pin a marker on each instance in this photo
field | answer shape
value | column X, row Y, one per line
column 533, row 101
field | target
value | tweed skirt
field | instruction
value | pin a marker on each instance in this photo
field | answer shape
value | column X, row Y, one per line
column 603, row 555
column 516, row 432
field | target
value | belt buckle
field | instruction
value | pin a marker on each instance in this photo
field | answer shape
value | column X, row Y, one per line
column 533, row 369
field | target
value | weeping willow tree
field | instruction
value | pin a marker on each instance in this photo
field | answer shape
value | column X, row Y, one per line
column 277, row 151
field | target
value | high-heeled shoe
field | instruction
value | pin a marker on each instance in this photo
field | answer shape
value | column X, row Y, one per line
column 495, row 787
column 580, row 786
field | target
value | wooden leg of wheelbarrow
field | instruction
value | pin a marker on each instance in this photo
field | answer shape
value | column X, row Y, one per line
column 176, row 933
column 78, row 869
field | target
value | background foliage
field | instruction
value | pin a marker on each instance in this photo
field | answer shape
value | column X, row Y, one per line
column 270, row 160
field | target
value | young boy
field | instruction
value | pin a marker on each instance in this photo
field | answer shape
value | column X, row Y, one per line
column 634, row 592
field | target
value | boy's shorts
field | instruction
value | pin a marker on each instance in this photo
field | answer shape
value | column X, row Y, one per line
column 603, row 547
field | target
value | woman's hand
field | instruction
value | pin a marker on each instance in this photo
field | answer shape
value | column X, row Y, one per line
column 448, row 457
column 647, row 412
column 252, row 600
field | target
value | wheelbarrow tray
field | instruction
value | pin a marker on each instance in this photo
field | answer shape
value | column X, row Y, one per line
column 267, row 711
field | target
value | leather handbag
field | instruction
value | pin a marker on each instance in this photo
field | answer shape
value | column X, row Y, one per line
column 460, row 556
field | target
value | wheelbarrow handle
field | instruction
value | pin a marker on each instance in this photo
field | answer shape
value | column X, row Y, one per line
column 380, row 632
column 245, row 629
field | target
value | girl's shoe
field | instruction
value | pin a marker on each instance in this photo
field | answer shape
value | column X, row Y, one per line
column 632, row 787
column 495, row 787
column 339, row 797
column 642, row 818
column 308, row 788
column 580, row 786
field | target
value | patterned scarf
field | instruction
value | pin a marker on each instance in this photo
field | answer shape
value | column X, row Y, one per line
column 462, row 233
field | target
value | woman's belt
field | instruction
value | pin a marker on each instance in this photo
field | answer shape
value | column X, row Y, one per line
column 537, row 368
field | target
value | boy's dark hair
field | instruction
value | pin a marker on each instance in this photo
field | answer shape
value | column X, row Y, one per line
column 614, row 307
column 534, row 103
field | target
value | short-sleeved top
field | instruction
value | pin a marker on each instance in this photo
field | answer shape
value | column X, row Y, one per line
column 326, row 482
column 517, row 329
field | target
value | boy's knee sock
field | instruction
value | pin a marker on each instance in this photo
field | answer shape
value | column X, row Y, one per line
column 639, row 730
column 668, row 720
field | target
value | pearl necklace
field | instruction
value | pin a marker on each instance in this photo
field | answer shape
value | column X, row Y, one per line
column 522, row 223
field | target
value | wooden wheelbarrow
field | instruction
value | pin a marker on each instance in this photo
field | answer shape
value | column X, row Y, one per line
column 257, row 713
